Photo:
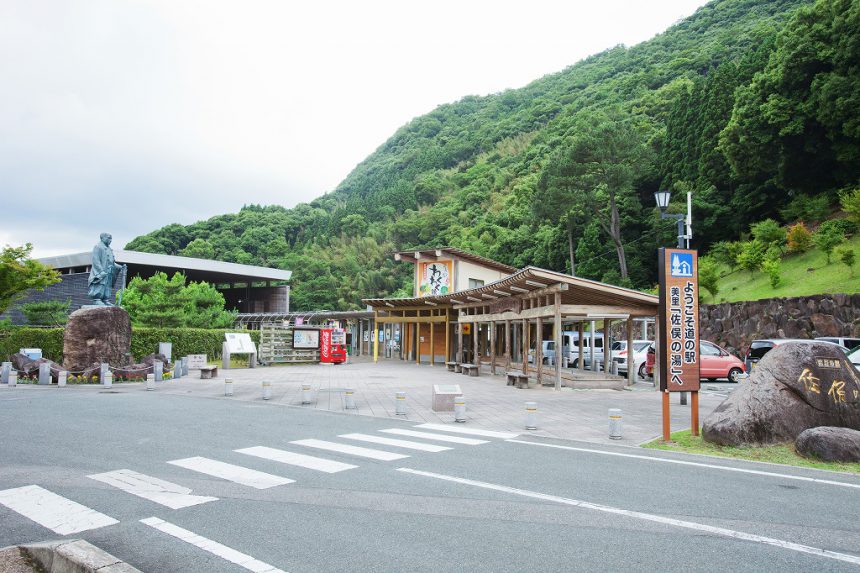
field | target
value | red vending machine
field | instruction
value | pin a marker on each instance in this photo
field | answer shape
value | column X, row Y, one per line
column 332, row 346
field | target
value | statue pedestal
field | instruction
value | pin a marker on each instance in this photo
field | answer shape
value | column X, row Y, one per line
column 96, row 334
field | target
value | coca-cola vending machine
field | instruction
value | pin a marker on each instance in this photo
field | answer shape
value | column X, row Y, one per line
column 332, row 346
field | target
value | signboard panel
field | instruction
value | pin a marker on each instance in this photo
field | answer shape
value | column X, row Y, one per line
column 306, row 338
column 197, row 361
column 436, row 278
column 240, row 343
column 679, row 320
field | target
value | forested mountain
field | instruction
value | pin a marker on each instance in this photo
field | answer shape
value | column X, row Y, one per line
column 750, row 104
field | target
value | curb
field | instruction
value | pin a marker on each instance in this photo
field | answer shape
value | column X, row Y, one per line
column 75, row 556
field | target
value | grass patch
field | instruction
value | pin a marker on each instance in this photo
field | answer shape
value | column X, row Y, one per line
column 785, row 454
column 797, row 279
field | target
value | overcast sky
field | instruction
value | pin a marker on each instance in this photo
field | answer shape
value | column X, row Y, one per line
column 125, row 116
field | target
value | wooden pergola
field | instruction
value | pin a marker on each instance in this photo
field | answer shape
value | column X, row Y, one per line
column 506, row 310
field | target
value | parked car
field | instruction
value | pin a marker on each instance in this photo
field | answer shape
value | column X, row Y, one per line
column 714, row 362
column 849, row 343
column 854, row 357
column 640, row 352
column 758, row 348
column 570, row 341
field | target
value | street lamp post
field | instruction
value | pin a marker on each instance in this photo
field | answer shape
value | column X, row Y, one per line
column 662, row 197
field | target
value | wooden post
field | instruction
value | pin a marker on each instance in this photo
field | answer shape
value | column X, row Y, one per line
column 657, row 354
column 539, row 349
column 476, row 358
column 459, row 342
column 507, row 345
column 493, row 348
column 525, row 346
column 432, row 342
column 447, row 336
column 375, row 337
column 607, row 353
column 418, row 340
column 581, row 361
column 559, row 348
column 694, row 413
column 666, row 428
column 631, row 364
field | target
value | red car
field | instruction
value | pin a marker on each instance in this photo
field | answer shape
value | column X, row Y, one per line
column 714, row 362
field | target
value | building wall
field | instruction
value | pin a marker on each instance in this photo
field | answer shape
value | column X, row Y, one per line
column 465, row 270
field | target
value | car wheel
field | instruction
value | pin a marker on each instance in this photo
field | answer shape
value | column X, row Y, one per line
column 734, row 373
column 575, row 363
column 642, row 371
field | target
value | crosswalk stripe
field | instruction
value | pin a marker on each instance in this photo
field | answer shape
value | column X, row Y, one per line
column 164, row 492
column 60, row 515
column 438, row 437
column 352, row 450
column 292, row 458
column 467, row 431
column 237, row 474
column 396, row 443
column 213, row 547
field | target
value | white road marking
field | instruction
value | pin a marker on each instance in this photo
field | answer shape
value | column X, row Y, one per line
column 438, row 437
column 160, row 491
column 292, row 458
column 686, row 463
column 60, row 515
column 469, row 432
column 396, row 443
column 213, row 547
column 352, row 450
column 238, row 474
column 645, row 516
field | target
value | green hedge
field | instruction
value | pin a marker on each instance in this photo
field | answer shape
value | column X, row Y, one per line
column 50, row 340
column 144, row 341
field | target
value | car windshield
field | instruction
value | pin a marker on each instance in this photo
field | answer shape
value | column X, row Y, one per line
column 640, row 346
column 619, row 345
column 759, row 349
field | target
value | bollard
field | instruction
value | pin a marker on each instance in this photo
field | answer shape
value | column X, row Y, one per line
column 102, row 369
column 349, row 398
column 597, row 366
column 400, row 403
column 228, row 386
column 459, row 409
column 267, row 390
column 158, row 370
column 177, row 372
column 13, row 378
column 108, row 379
column 62, row 377
column 614, row 424
column 44, row 374
column 150, row 381
column 531, row 415
column 613, row 368
column 185, row 366
column 4, row 372
column 306, row 394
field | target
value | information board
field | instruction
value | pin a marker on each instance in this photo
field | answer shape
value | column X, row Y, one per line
column 679, row 320
column 306, row 338
column 197, row 361
column 240, row 343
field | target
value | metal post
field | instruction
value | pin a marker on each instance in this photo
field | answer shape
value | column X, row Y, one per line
column 400, row 403
column 614, row 424
column 459, row 409
column 531, row 415
column 349, row 398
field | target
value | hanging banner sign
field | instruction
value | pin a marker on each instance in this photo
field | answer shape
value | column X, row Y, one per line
column 679, row 320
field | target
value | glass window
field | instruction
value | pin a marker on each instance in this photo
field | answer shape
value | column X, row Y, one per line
column 475, row 283
column 759, row 349
column 640, row 346
column 708, row 349
column 619, row 346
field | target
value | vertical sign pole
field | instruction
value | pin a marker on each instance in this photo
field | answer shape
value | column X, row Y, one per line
column 694, row 413
column 666, row 429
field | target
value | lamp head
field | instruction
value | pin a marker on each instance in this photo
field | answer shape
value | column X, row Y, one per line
column 662, row 197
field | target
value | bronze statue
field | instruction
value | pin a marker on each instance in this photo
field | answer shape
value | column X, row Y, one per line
column 103, row 273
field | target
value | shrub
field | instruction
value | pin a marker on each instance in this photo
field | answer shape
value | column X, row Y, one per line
column 845, row 226
column 727, row 253
column 826, row 239
column 768, row 232
column 772, row 267
column 50, row 340
column 752, row 255
column 47, row 313
column 847, row 257
column 799, row 238
column 709, row 277
column 850, row 202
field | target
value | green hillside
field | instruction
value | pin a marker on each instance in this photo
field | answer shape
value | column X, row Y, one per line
column 750, row 104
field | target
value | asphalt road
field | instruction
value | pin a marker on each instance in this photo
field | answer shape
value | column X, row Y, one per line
column 502, row 505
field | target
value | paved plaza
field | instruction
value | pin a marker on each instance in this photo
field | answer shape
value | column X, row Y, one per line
column 490, row 403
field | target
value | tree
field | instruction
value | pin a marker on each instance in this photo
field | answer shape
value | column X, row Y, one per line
column 752, row 255
column 847, row 256
column 768, row 232
column 156, row 301
column 46, row 313
column 205, row 307
column 826, row 238
column 850, row 202
column 595, row 172
column 727, row 253
column 199, row 248
column 709, row 277
column 799, row 238
column 19, row 273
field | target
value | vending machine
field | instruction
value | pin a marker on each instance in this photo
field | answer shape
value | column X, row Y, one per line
column 332, row 346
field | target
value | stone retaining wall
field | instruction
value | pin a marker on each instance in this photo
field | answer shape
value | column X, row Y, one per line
column 734, row 324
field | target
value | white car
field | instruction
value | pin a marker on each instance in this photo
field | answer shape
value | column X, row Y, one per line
column 854, row 357
column 640, row 355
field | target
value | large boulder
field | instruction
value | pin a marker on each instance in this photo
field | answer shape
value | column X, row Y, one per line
column 829, row 444
column 796, row 386
column 97, row 334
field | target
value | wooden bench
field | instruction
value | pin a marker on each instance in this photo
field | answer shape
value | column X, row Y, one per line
column 209, row 372
column 452, row 366
column 469, row 369
column 517, row 378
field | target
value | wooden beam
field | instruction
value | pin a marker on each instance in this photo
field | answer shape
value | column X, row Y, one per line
column 410, row 319
column 596, row 311
column 501, row 292
column 530, row 314
column 536, row 284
